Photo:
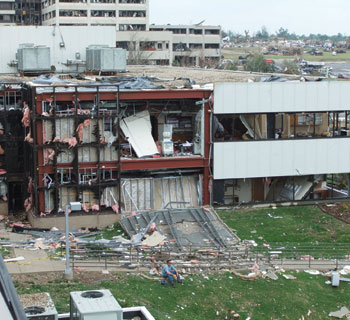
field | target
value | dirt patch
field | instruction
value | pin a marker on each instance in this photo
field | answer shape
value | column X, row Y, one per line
column 54, row 277
column 340, row 211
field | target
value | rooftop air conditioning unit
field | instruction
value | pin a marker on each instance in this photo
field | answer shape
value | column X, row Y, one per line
column 33, row 58
column 38, row 306
column 94, row 305
column 105, row 59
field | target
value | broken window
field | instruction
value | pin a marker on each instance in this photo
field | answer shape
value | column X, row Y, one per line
column 132, row 1
column 283, row 126
column 196, row 46
column 122, row 44
column 212, row 31
column 132, row 13
column 103, row 13
column 65, row 175
column 73, row 1
column 132, row 27
column 180, row 47
column 196, row 31
column 148, row 45
column 212, row 46
column 177, row 30
column 282, row 189
column 73, row 13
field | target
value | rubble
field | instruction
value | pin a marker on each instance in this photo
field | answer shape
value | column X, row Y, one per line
column 343, row 312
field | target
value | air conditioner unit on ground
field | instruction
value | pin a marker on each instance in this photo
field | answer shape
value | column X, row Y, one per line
column 94, row 305
column 38, row 306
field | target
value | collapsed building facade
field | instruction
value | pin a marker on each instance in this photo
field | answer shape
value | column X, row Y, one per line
column 124, row 144
column 111, row 150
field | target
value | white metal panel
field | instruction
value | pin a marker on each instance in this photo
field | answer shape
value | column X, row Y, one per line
column 138, row 131
column 263, row 97
column 255, row 159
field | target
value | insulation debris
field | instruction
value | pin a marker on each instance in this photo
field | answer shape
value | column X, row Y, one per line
column 153, row 240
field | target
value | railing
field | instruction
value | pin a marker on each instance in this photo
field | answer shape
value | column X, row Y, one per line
column 286, row 255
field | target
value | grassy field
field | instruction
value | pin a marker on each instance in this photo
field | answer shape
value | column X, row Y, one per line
column 327, row 56
column 216, row 296
column 297, row 225
column 199, row 298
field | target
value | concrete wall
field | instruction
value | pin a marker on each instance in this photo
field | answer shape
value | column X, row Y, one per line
column 75, row 39
column 100, row 221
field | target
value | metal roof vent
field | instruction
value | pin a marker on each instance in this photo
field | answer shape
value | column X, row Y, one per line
column 94, row 305
column 34, row 310
column 92, row 294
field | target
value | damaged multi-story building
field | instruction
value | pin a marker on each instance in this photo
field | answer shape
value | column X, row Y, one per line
column 104, row 146
column 282, row 142
column 194, row 44
column 20, row 12
column 125, row 15
column 139, row 144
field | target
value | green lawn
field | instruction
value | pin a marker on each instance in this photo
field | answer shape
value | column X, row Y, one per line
column 210, row 299
column 298, row 225
column 200, row 298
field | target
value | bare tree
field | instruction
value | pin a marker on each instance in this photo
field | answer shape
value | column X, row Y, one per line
column 139, row 50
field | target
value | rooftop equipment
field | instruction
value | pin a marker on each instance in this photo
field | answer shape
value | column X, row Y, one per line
column 33, row 58
column 39, row 306
column 105, row 59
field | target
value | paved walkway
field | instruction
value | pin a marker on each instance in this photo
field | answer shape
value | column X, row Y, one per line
column 34, row 261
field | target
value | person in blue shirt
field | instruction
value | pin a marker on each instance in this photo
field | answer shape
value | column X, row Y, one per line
column 169, row 272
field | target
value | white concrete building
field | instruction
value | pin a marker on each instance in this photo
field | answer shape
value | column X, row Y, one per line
column 280, row 142
column 194, row 44
column 7, row 12
column 146, row 47
column 126, row 15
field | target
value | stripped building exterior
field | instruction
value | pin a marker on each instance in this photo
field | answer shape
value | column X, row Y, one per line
column 110, row 148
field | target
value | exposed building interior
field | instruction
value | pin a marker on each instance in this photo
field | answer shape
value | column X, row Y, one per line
column 283, row 126
column 107, row 149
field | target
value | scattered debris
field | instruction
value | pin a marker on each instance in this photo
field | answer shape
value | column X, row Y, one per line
column 289, row 277
column 313, row 272
column 14, row 259
column 153, row 240
column 271, row 275
column 274, row 217
column 344, row 311
column 336, row 279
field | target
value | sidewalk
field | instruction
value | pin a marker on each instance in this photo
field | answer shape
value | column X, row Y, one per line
column 34, row 261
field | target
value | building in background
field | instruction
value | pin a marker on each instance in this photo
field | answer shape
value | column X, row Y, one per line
column 194, row 44
column 28, row 12
column 7, row 12
column 24, row 12
column 125, row 15
column 147, row 47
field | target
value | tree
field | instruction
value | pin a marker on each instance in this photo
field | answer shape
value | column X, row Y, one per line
column 257, row 63
column 282, row 33
column 262, row 34
column 290, row 67
column 138, row 53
